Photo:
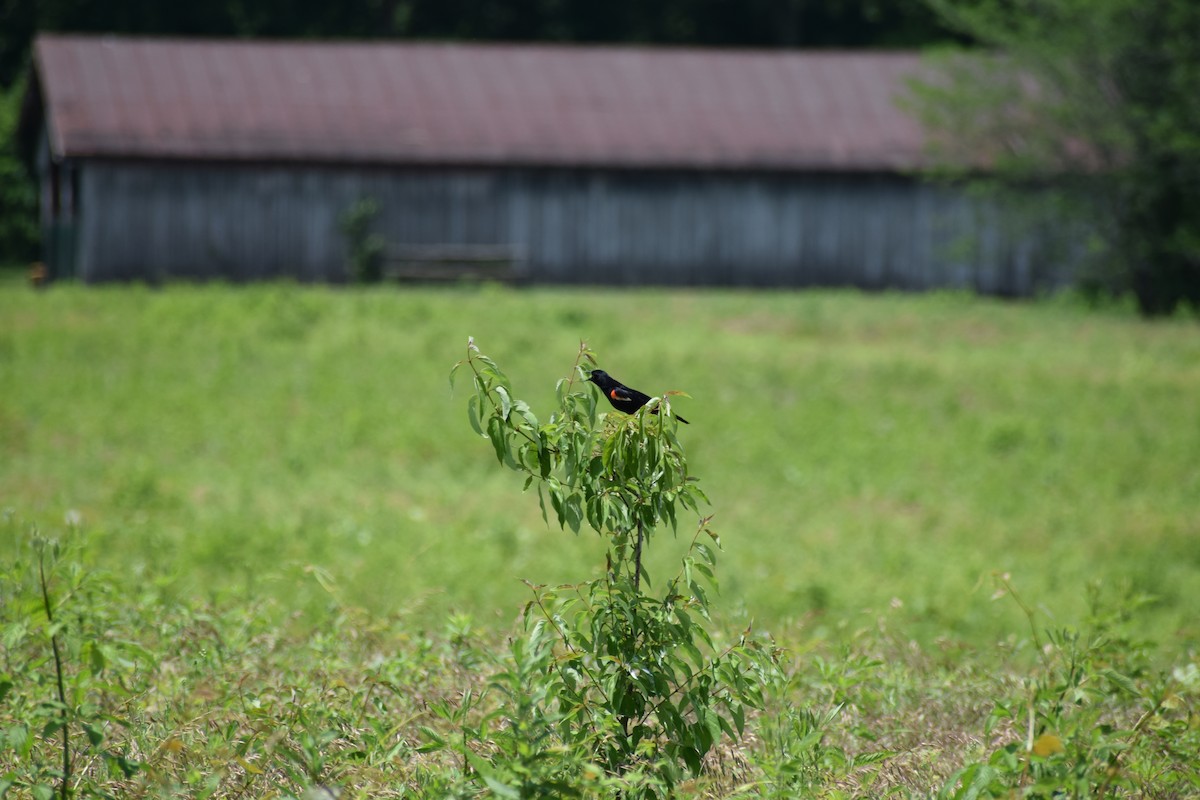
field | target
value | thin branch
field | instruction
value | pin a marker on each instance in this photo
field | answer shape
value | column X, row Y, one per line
column 58, row 670
column 637, row 559
column 562, row 637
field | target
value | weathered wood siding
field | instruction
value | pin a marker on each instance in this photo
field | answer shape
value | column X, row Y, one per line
column 155, row 221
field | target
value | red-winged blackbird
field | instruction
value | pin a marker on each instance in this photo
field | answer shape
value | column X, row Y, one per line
column 621, row 396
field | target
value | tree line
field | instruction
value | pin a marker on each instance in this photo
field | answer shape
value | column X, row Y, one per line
column 753, row 23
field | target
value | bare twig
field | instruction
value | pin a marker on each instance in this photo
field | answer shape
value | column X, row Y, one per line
column 58, row 670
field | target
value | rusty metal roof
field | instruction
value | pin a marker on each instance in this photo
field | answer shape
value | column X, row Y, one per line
column 475, row 104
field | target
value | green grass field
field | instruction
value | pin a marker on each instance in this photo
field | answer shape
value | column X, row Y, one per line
column 865, row 455
column 872, row 460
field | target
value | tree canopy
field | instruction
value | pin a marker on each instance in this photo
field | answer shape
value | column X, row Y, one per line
column 1094, row 103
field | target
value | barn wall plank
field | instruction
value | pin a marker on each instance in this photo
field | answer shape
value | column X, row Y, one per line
column 152, row 221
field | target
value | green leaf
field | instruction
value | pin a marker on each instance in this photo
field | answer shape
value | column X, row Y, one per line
column 573, row 511
column 594, row 507
column 972, row 781
column 490, row 777
column 495, row 432
column 542, row 502
column 1124, row 682
column 95, row 735
column 713, row 723
column 473, row 414
column 556, row 499
column 693, row 653
column 526, row 413
column 505, row 402
column 128, row 766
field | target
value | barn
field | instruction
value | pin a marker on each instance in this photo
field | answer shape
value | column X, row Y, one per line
column 244, row 160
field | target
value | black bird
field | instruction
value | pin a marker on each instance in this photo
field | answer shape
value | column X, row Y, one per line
column 621, row 396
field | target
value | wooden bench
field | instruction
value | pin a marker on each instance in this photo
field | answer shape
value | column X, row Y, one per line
column 452, row 262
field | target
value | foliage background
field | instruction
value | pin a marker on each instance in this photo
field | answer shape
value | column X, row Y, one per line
column 1086, row 112
column 758, row 23
column 18, row 204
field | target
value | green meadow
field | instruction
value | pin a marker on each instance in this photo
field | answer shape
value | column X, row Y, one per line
column 875, row 462
column 865, row 455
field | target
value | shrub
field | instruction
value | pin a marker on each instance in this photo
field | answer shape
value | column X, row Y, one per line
column 610, row 688
column 1093, row 719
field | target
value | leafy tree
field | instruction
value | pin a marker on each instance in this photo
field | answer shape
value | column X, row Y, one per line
column 18, row 198
column 1097, row 100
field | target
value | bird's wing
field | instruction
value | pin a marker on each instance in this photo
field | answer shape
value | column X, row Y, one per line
column 621, row 393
